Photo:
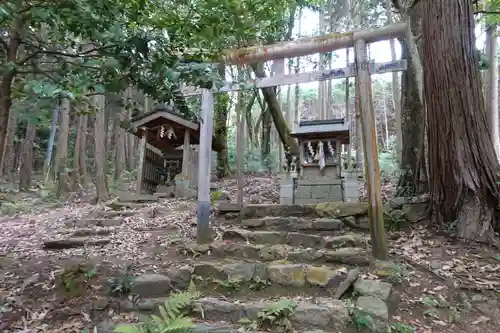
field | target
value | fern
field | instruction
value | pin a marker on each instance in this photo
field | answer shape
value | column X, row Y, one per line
column 173, row 315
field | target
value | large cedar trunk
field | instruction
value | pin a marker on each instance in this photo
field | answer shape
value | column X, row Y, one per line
column 413, row 179
column 462, row 162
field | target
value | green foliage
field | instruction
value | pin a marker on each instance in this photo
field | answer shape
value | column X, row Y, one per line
column 363, row 319
column 75, row 279
column 232, row 284
column 259, row 284
column 215, row 196
column 400, row 328
column 121, row 285
column 277, row 315
column 173, row 316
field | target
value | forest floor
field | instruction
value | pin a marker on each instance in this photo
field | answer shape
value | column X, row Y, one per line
column 447, row 286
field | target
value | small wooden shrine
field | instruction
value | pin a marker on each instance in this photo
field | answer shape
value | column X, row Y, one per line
column 319, row 176
column 167, row 152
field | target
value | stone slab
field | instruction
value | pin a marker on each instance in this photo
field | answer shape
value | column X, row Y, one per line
column 74, row 242
column 319, row 181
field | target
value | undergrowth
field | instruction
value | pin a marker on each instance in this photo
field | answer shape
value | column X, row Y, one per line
column 173, row 318
column 75, row 279
column 274, row 315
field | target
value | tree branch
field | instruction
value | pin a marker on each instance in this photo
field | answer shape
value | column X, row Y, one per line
column 487, row 12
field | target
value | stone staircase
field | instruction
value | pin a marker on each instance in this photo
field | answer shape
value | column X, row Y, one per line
column 94, row 230
column 271, row 252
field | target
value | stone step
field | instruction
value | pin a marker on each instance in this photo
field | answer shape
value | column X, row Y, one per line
column 132, row 197
column 118, row 205
column 85, row 232
column 264, row 210
column 271, row 279
column 113, row 213
column 107, row 327
column 347, row 255
column 323, row 313
column 292, row 224
column 74, row 242
column 296, row 239
column 83, row 223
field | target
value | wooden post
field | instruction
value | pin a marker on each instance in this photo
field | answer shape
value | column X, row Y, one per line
column 185, row 164
column 140, row 167
column 240, row 147
column 378, row 236
column 204, row 168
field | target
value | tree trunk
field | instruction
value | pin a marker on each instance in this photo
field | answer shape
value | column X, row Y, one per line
column 99, row 149
column 50, row 143
column 6, row 88
column 462, row 160
column 27, row 157
column 249, row 122
column 395, row 88
column 492, row 96
column 291, row 147
column 9, row 165
column 220, row 128
column 131, row 147
column 119, row 139
column 83, row 151
column 413, row 178
column 265, row 148
column 75, row 173
column 61, row 164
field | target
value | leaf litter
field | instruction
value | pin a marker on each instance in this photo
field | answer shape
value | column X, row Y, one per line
column 29, row 274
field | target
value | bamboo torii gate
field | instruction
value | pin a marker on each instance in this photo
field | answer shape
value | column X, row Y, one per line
column 302, row 47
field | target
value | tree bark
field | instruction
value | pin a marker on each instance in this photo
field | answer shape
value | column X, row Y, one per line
column 101, row 178
column 83, row 151
column 462, row 160
column 492, row 96
column 50, row 143
column 27, row 157
column 413, row 178
column 291, row 147
column 396, row 99
column 119, row 139
column 61, row 164
column 220, row 128
column 265, row 148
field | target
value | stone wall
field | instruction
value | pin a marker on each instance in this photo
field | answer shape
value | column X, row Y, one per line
column 317, row 190
column 313, row 190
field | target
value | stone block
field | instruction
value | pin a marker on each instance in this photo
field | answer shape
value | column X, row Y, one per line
column 303, row 192
column 335, row 193
column 307, row 201
column 314, row 181
column 373, row 288
column 149, row 285
column 286, row 201
column 320, row 191
column 287, row 275
column 286, row 191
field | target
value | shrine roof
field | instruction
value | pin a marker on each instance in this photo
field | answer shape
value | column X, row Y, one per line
column 329, row 128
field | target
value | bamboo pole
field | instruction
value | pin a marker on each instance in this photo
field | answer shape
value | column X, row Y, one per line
column 367, row 114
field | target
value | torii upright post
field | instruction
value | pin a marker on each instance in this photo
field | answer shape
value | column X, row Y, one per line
column 367, row 117
column 204, row 168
